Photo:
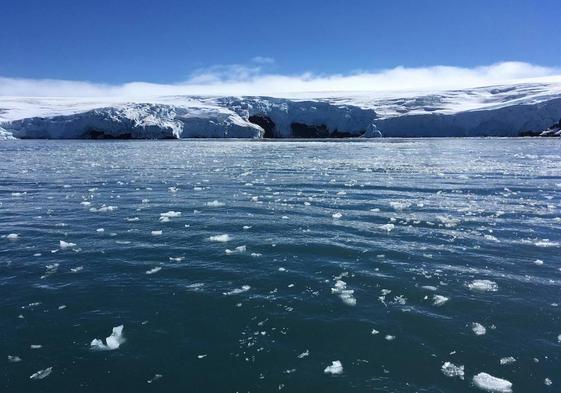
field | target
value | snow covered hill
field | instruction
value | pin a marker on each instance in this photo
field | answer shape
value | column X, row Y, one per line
column 487, row 111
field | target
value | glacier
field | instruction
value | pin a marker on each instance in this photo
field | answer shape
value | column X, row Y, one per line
column 508, row 110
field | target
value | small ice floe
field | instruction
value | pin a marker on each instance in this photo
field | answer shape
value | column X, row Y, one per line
column 429, row 287
column 173, row 189
column 337, row 215
column 451, row 370
column 12, row 236
column 399, row 205
column 62, row 307
column 559, row 338
column 100, row 230
column 41, row 374
column 439, row 300
column 65, row 245
column 389, row 337
column 132, row 219
column 237, row 291
column 478, row 329
column 237, row 250
column 491, row 238
column 547, row 382
column 35, row 346
column 483, row 286
column 345, row 294
column 113, row 342
column 448, row 222
column 154, row 378
column 14, row 359
column 538, row 262
column 85, row 203
column 104, row 209
column 304, row 354
column 489, row 383
column 246, row 227
column 335, row 368
column 154, row 270
column 202, row 356
column 387, row 227
column 156, row 233
column 176, row 259
column 374, row 332
column 507, row 360
column 220, row 238
column 171, row 214
column 77, row 269
column 256, row 254
column 215, row 203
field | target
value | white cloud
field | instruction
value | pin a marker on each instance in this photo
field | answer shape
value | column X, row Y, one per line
column 252, row 80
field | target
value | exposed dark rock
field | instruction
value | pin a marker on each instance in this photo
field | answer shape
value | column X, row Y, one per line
column 265, row 123
column 97, row 134
column 300, row 130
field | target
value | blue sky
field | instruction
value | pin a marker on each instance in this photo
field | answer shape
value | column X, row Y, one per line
column 121, row 41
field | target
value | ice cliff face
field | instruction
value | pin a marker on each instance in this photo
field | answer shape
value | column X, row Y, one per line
column 523, row 109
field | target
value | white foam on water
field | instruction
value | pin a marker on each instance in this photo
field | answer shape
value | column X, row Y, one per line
column 154, row 270
column 439, row 300
column 244, row 288
column 220, row 238
column 489, row 383
column 337, row 215
column 41, row 374
column 451, row 370
column 478, row 329
column 176, row 259
column 483, row 286
column 336, row 367
column 400, row 205
column 76, row 269
column 112, row 342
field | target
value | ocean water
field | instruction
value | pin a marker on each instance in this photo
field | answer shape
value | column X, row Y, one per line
column 276, row 259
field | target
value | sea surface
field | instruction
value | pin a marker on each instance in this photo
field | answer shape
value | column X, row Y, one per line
column 251, row 266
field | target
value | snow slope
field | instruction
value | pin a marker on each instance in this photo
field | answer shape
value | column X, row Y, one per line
column 485, row 111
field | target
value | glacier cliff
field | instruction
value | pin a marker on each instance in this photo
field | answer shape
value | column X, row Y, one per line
column 513, row 110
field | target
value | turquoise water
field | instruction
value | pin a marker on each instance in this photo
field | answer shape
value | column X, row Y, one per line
column 367, row 253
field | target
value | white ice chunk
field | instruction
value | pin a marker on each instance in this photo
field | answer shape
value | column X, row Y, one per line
column 41, row 374
column 113, row 342
column 489, row 383
column 335, row 368
column 237, row 291
column 64, row 245
column 154, row 270
column 439, row 300
column 220, row 238
column 170, row 214
column 451, row 370
column 215, row 203
column 12, row 236
column 337, row 215
column 156, row 233
column 483, row 286
column 478, row 329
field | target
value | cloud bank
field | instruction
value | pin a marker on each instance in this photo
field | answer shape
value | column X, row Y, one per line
column 252, row 80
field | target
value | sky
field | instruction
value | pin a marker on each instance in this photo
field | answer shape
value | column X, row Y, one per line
column 253, row 45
